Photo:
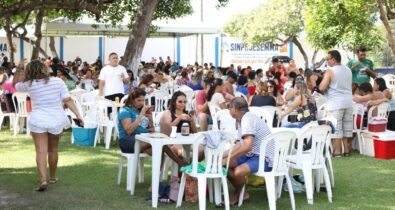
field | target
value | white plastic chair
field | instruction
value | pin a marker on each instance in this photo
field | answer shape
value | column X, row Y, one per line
column 224, row 121
column 104, row 121
column 213, row 109
column 358, row 110
column 140, row 168
column 72, row 115
column 20, row 105
column 266, row 113
column 321, row 111
column 123, row 100
column 190, row 97
column 77, row 93
column 10, row 115
column 240, row 94
column 161, row 99
column 214, row 170
column 282, row 141
column 314, row 160
column 382, row 111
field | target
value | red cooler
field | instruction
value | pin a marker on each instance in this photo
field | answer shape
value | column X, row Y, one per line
column 384, row 145
column 377, row 124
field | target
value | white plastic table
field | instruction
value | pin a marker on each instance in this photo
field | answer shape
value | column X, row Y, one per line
column 157, row 146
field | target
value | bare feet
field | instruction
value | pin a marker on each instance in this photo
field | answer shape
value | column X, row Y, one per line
column 234, row 198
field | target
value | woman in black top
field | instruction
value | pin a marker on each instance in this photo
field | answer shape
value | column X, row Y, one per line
column 262, row 98
column 176, row 115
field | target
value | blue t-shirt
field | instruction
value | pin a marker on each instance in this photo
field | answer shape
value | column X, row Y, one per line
column 242, row 89
column 129, row 113
column 194, row 87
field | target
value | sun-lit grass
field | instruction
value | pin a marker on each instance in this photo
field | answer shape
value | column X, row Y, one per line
column 87, row 180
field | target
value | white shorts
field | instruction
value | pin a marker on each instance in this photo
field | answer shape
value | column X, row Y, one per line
column 37, row 129
column 344, row 122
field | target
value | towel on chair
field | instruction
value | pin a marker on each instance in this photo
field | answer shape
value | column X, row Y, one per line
column 212, row 139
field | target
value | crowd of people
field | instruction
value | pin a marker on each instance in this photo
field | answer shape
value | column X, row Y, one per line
column 297, row 91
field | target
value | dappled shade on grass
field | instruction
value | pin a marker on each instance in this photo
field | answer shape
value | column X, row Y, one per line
column 87, row 180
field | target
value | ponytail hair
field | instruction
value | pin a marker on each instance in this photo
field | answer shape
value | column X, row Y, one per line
column 211, row 91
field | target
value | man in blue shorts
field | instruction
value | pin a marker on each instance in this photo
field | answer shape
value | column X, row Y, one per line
column 245, row 156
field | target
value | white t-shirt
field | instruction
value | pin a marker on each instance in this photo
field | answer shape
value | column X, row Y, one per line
column 217, row 99
column 113, row 83
column 47, row 102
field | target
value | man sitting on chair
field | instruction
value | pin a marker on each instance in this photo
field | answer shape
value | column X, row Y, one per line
column 245, row 156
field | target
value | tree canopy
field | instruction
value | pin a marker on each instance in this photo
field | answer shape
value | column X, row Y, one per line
column 346, row 23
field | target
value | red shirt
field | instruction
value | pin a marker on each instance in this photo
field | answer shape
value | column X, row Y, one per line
column 201, row 100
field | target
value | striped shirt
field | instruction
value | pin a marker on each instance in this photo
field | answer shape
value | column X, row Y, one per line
column 47, row 102
column 251, row 124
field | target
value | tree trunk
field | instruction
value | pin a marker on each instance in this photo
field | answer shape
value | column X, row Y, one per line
column 383, row 18
column 38, row 34
column 138, row 36
column 301, row 50
column 313, row 59
column 7, row 29
column 52, row 46
column 29, row 41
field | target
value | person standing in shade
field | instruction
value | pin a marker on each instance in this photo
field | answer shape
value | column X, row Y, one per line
column 111, row 79
column 362, row 68
column 337, row 82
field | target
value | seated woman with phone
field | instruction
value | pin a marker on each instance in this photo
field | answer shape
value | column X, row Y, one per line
column 134, row 119
column 176, row 116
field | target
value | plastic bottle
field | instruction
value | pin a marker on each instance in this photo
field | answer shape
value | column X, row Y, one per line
column 185, row 129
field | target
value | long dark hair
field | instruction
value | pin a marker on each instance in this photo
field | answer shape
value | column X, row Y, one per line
column 146, row 79
column 134, row 93
column 211, row 91
column 173, row 101
column 274, row 87
column 381, row 83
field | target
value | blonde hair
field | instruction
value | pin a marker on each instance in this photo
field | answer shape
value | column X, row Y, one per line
column 262, row 89
column 36, row 70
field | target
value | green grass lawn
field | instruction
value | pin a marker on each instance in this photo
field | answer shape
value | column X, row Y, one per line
column 87, row 180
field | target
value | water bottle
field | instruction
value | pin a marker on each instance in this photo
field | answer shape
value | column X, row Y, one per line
column 185, row 129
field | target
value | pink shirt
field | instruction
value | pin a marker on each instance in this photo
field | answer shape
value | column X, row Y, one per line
column 8, row 86
column 200, row 100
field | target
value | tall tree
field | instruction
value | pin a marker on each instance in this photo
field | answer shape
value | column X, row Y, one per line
column 386, row 8
column 345, row 23
column 37, row 34
column 274, row 22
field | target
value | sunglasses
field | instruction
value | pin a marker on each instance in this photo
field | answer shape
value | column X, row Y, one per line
column 269, row 86
column 182, row 102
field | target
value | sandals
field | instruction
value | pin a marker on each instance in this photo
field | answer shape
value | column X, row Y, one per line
column 336, row 155
column 53, row 181
column 42, row 187
column 166, row 200
column 346, row 154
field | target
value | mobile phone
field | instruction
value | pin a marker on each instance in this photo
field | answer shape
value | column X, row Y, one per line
column 78, row 123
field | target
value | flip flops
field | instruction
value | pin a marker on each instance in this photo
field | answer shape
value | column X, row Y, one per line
column 42, row 187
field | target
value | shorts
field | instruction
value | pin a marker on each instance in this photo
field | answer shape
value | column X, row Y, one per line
column 209, row 119
column 344, row 125
column 37, row 129
column 252, row 162
column 127, row 144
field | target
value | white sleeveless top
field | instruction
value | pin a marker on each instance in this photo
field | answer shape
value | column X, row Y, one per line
column 340, row 88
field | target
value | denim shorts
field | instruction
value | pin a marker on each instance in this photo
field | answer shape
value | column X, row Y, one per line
column 253, row 163
column 127, row 144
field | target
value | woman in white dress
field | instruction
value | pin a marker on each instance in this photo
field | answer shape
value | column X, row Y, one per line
column 48, row 118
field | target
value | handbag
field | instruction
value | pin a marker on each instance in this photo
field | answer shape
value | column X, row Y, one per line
column 191, row 189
